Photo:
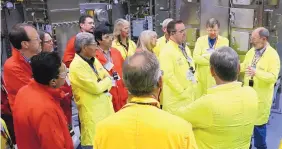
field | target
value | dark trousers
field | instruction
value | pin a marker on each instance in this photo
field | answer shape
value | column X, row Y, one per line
column 260, row 136
column 10, row 126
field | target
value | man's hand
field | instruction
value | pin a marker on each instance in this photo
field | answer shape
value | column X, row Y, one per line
column 250, row 71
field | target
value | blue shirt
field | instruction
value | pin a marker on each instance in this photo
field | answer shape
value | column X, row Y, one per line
column 211, row 42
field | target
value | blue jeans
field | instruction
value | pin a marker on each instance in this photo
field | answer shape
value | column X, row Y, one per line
column 260, row 136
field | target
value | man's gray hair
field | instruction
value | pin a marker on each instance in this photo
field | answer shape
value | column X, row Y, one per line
column 141, row 73
column 225, row 62
column 263, row 32
column 166, row 21
column 82, row 39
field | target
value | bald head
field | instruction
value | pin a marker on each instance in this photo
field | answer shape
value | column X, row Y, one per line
column 141, row 73
column 262, row 32
column 260, row 37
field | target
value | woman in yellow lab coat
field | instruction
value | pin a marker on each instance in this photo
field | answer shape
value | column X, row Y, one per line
column 122, row 42
column 147, row 41
column 205, row 45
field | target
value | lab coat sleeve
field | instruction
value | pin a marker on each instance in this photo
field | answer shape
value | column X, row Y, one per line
column 197, row 113
column 88, row 83
column 49, row 131
column 97, row 137
column 169, row 76
column 200, row 59
column 271, row 75
column 191, row 141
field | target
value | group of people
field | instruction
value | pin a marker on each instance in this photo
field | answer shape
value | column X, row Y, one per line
column 155, row 94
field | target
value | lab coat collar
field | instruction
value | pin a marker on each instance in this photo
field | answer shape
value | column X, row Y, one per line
column 145, row 100
column 224, row 87
column 57, row 94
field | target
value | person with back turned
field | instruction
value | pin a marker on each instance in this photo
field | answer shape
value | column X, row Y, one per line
column 261, row 67
column 141, row 123
column 225, row 117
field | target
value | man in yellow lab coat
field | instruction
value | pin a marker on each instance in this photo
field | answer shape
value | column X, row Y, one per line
column 141, row 124
column 164, row 39
column 180, row 81
column 261, row 67
column 225, row 117
column 206, row 45
column 91, row 84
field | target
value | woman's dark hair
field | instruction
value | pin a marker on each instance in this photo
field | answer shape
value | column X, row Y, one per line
column 42, row 37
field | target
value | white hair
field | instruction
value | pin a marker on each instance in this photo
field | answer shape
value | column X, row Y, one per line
column 145, row 40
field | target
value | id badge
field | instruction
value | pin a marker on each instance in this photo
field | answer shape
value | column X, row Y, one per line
column 190, row 76
column 210, row 50
column 189, row 59
column 114, row 83
column 68, row 80
column 108, row 66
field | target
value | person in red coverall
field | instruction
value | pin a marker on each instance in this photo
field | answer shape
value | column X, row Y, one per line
column 38, row 118
column 48, row 46
column 86, row 24
column 112, row 61
column 17, row 70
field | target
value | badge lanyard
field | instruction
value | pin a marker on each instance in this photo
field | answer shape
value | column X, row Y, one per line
column 257, row 57
column 255, row 60
column 96, row 72
column 182, row 48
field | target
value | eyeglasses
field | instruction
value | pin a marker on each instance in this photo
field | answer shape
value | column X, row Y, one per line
column 48, row 41
column 212, row 30
column 108, row 36
column 35, row 39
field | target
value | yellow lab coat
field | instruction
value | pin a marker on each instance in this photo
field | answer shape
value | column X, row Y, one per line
column 92, row 103
column 177, row 88
column 267, row 70
column 224, row 118
column 144, row 127
column 202, row 61
column 122, row 50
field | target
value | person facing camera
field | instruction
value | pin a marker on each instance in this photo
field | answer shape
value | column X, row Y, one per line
column 112, row 61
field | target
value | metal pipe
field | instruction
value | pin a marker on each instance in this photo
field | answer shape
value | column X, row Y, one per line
column 61, row 10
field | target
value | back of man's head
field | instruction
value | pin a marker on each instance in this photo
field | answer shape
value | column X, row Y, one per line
column 141, row 73
column 45, row 67
column 225, row 62
column 18, row 34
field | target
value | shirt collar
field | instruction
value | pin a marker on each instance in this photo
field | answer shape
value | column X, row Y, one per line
column 89, row 61
column 224, row 87
column 25, row 58
column 261, row 51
